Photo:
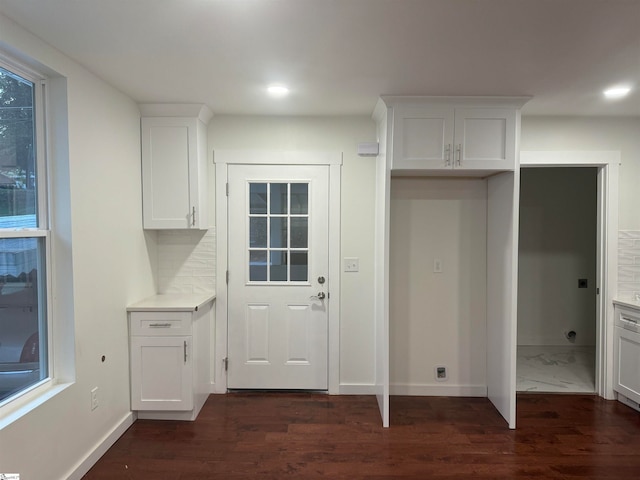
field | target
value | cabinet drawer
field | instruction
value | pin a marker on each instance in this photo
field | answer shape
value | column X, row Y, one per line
column 160, row 323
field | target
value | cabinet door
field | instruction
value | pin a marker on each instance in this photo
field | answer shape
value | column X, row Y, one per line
column 422, row 138
column 485, row 138
column 161, row 373
column 169, row 172
column 626, row 361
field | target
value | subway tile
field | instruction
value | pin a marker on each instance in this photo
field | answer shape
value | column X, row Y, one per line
column 624, row 243
column 624, row 259
column 629, row 234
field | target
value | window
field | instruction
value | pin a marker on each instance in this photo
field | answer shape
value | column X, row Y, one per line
column 278, row 232
column 24, row 234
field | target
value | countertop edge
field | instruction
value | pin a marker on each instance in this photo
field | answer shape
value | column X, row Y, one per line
column 627, row 303
column 172, row 303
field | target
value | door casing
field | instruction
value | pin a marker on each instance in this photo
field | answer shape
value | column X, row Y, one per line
column 224, row 158
column 606, row 249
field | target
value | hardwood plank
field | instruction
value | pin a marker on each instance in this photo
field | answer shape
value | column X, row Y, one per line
column 309, row 436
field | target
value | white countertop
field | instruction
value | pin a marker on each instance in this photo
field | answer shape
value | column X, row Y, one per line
column 629, row 303
column 172, row 302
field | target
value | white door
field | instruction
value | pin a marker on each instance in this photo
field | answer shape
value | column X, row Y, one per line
column 278, row 285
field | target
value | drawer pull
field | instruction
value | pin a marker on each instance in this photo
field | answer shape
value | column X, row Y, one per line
column 185, row 351
column 160, row 325
column 630, row 320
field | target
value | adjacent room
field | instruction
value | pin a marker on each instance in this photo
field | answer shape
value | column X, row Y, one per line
column 557, row 258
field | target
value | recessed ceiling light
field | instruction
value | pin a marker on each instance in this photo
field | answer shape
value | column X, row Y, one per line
column 617, row 92
column 277, row 90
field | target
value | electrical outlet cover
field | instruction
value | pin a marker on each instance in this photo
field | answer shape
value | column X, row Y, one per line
column 441, row 373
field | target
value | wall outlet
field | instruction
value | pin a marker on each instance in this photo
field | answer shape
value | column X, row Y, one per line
column 94, row 398
column 441, row 373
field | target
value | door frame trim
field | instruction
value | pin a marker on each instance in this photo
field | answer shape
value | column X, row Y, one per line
column 222, row 159
column 608, row 163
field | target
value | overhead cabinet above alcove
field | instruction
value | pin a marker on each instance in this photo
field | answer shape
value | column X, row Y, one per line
column 469, row 136
column 174, row 166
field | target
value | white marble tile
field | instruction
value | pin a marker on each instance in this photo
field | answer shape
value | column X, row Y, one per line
column 568, row 369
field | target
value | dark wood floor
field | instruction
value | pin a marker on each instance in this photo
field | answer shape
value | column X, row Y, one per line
column 306, row 436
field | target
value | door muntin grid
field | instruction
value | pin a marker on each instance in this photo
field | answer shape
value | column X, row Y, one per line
column 278, row 232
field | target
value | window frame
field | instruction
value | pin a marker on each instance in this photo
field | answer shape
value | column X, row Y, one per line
column 41, row 231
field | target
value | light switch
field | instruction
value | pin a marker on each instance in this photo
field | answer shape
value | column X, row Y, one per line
column 351, row 264
column 437, row 265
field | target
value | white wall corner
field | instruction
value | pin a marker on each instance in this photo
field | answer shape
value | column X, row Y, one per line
column 81, row 469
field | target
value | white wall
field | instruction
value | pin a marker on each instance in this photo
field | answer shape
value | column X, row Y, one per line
column 438, row 318
column 594, row 133
column 113, row 265
column 357, row 329
column 557, row 247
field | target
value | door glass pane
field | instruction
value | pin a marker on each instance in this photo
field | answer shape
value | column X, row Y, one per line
column 18, row 199
column 278, row 222
column 299, row 198
column 258, row 198
column 299, row 266
column 278, row 266
column 23, row 333
column 299, row 232
column 258, row 232
column 258, row 266
column 279, row 232
column 279, row 198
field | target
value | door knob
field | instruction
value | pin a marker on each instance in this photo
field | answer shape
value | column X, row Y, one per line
column 319, row 296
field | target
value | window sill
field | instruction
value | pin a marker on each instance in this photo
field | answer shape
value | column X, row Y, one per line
column 23, row 405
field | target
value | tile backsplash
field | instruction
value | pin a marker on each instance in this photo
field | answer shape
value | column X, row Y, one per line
column 628, row 264
column 186, row 261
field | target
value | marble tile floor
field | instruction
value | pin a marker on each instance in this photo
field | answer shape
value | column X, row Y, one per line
column 558, row 369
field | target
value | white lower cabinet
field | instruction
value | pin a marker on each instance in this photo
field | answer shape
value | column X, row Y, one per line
column 161, row 373
column 626, row 362
column 169, row 360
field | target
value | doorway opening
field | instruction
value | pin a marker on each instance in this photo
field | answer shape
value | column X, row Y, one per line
column 558, row 284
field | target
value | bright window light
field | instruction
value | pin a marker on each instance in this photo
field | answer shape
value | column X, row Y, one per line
column 617, row 92
column 277, row 90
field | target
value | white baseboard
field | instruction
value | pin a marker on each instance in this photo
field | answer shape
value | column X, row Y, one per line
column 357, row 389
column 438, row 390
column 101, row 447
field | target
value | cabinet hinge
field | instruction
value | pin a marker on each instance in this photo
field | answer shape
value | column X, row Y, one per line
column 225, row 362
column 227, row 277
column 227, row 186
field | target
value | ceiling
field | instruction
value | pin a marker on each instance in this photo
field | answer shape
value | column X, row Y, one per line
column 339, row 56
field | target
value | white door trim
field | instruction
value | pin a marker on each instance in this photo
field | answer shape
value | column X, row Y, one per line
column 223, row 158
column 607, row 262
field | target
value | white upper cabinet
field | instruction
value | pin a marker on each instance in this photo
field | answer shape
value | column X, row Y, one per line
column 175, row 166
column 453, row 135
